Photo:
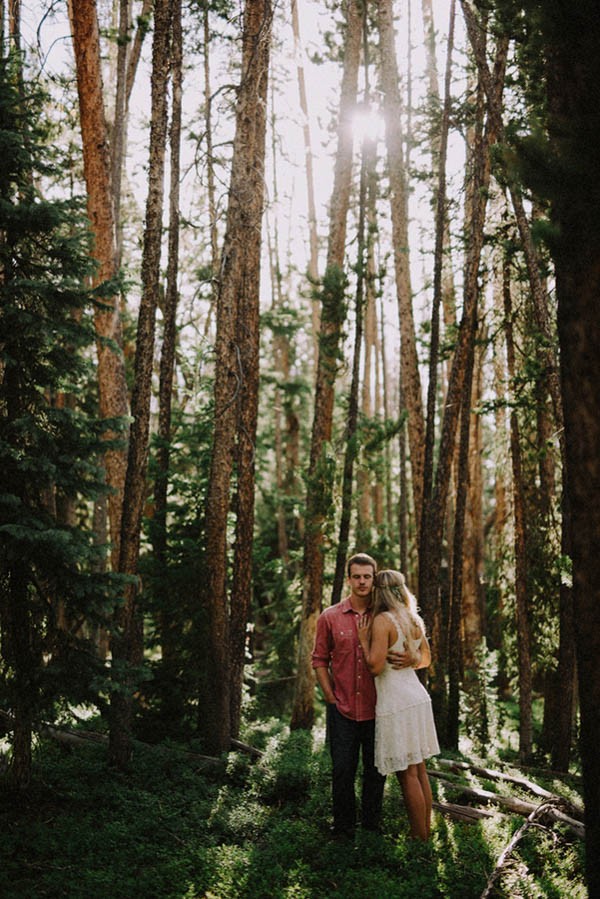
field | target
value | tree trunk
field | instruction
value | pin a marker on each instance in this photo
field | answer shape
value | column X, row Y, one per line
column 119, row 123
column 520, row 546
column 313, row 237
column 127, row 642
column 432, row 530
column 572, row 36
column 96, row 168
column 441, row 231
column 210, row 167
column 456, row 616
column 333, row 314
column 472, row 600
column 411, row 382
column 255, row 85
column 351, row 435
column 169, row 629
column 236, row 384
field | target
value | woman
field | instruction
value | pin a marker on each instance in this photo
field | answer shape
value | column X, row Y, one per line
column 404, row 727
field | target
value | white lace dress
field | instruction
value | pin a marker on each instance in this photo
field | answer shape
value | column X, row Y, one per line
column 404, row 727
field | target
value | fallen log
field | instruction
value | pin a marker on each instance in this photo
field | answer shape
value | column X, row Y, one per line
column 247, row 749
column 465, row 813
column 513, row 803
column 575, row 810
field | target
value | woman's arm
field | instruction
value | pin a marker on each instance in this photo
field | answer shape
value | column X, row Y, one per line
column 374, row 649
column 423, row 653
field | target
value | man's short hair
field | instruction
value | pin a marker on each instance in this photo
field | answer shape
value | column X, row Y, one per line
column 361, row 559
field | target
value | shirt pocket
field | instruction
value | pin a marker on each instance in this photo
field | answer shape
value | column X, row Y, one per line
column 344, row 641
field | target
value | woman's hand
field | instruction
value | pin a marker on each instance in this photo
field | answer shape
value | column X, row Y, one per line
column 363, row 626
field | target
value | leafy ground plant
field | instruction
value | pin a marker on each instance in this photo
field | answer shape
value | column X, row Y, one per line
column 248, row 830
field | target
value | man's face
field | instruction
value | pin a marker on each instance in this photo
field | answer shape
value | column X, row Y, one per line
column 361, row 579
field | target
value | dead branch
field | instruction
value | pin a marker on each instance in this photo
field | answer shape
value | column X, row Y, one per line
column 539, row 812
column 249, row 750
column 465, row 813
column 575, row 811
column 514, row 804
column 68, row 737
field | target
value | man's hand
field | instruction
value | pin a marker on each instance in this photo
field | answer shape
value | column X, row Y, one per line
column 400, row 660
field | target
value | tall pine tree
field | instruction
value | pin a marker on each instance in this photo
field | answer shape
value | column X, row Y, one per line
column 49, row 449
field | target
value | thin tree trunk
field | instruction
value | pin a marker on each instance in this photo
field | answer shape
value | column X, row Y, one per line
column 333, row 315
column 313, row 239
column 143, row 21
column 472, row 600
column 351, row 435
column 119, row 124
column 281, row 351
column 441, row 219
column 236, row 379
column 210, row 167
column 431, row 537
column 522, row 612
column 127, row 642
column 248, row 338
column 169, row 629
column 96, row 169
column 411, row 382
column 455, row 642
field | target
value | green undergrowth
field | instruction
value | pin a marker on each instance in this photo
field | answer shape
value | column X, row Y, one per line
column 257, row 830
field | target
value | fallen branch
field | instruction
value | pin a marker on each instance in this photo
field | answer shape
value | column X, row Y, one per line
column 465, row 813
column 514, row 804
column 249, row 750
column 540, row 811
column 492, row 774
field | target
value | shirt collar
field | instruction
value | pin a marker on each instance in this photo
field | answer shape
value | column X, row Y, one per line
column 346, row 606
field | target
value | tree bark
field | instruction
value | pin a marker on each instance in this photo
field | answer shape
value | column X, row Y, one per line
column 411, row 382
column 127, row 642
column 333, row 314
column 432, row 529
column 169, row 628
column 520, row 548
column 351, row 434
column 472, row 599
column 441, row 231
column 572, row 36
column 236, row 380
column 255, row 86
column 96, row 168
column 313, row 237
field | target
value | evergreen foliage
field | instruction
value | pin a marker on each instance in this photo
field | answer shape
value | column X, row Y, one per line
column 251, row 830
column 50, row 449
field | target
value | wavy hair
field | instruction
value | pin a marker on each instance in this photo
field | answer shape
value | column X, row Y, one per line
column 390, row 594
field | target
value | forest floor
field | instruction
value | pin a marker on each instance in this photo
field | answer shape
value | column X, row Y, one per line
column 259, row 829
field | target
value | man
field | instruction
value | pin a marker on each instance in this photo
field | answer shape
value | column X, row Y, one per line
column 349, row 691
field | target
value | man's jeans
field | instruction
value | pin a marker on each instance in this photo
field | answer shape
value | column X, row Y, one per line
column 346, row 739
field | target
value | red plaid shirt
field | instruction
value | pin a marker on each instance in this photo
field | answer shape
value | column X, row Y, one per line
column 337, row 647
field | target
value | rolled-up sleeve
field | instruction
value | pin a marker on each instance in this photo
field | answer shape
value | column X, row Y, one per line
column 321, row 654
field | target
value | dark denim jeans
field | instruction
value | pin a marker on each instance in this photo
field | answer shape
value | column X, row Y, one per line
column 346, row 739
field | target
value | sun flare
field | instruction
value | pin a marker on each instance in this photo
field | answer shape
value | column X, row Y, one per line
column 367, row 123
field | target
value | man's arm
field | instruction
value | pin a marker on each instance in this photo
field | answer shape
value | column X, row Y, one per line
column 325, row 682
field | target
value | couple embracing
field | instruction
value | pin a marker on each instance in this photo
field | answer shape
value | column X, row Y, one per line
column 367, row 649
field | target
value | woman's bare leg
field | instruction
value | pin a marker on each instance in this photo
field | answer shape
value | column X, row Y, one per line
column 426, row 788
column 414, row 799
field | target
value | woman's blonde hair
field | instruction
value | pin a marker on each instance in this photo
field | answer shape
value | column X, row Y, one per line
column 390, row 594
